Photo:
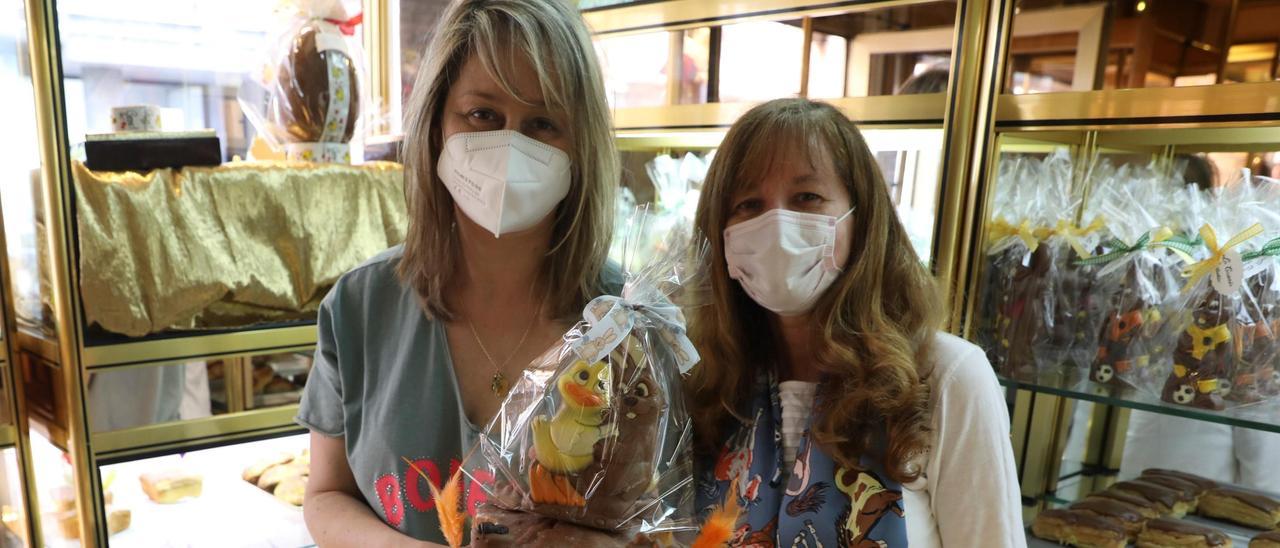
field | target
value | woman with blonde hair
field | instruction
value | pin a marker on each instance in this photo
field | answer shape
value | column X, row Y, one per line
column 828, row 401
column 510, row 170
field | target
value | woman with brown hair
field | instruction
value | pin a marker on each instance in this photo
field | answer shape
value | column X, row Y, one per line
column 510, row 172
column 828, row 401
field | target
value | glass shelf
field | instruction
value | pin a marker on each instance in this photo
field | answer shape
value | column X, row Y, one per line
column 1262, row 416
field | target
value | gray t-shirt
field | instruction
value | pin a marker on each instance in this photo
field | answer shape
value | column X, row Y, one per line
column 383, row 379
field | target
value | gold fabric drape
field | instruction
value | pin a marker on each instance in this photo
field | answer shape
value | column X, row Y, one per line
column 227, row 246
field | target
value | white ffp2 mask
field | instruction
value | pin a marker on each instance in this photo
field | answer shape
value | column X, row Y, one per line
column 502, row 180
column 784, row 259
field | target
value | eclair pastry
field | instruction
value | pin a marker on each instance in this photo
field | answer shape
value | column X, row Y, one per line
column 1241, row 507
column 1201, row 482
column 1188, row 489
column 1127, row 515
column 1078, row 528
column 1165, row 532
column 1148, row 509
column 1269, row 539
column 1171, row 502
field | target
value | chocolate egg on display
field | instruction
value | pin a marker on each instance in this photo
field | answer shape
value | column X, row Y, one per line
column 316, row 96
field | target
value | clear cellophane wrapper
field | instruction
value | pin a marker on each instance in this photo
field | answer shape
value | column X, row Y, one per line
column 1135, row 282
column 1226, row 335
column 595, row 432
column 1034, row 299
column 306, row 97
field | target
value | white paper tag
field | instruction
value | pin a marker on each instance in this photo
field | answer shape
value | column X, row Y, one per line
column 1229, row 275
column 331, row 41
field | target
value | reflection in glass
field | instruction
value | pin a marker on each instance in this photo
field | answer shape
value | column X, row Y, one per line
column 1149, row 44
column 695, row 58
column 635, row 69
column 828, row 59
column 142, row 396
column 12, row 513
column 760, row 61
column 910, row 160
column 20, row 171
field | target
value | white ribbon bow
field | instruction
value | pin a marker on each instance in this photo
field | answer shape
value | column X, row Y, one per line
column 612, row 319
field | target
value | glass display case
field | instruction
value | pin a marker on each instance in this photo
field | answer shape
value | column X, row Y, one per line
column 1101, row 387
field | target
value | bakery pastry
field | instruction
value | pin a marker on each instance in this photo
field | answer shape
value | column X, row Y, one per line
column 278, row 385
column 1269, row 539
column 1145, row 507
column 118, row 519
column 1127, row 515
column 1165, row 532
column 1201, row 482
column 252, row 473
column 262, row 375
column 278, row 473
column 170, row 486
column 1078, row 528
column 1180, row 485
column 1171, row 502
column 291, row 489
column 1241, row 507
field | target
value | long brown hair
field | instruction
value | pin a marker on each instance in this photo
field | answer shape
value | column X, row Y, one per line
column 558, row 46
column 875, row 322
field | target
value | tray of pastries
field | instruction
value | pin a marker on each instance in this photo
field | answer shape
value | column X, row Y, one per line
column 284, row 475
column 1163, row 508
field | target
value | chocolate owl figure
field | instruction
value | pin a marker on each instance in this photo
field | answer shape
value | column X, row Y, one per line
column 316, row 95
column 1204, row 357
column 624, row 472
column 1026, row 312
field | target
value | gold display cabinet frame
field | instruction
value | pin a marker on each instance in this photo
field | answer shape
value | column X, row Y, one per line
column 1160, row 122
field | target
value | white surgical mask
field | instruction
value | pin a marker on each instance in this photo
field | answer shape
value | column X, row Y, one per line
column 502, row 180
column 784, row 259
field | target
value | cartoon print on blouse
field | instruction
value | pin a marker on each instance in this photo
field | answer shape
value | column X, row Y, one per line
column 735, row 464
column 869, row 501
column 800, row 470
column 811, row 500
column 808, row 537
column 766, row 537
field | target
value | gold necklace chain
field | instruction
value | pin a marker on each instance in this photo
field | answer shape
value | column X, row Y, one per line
column 498, row 383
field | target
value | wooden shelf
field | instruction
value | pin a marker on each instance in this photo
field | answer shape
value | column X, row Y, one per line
column 915, row 111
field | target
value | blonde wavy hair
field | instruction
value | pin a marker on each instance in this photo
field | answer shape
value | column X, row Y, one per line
column 553, row 38
column 875, row 322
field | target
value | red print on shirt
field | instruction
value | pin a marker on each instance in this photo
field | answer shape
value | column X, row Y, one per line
column 420, row 495
column 390, row 495
column 388, row 488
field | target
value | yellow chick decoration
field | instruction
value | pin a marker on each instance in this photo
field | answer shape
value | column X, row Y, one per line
column 565, row 443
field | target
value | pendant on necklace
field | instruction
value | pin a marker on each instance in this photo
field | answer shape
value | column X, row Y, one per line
column 498, row 384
